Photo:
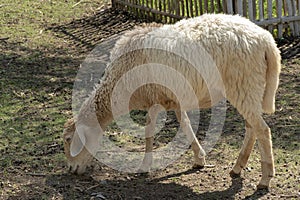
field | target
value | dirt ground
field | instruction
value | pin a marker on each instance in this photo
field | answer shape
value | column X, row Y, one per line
column 21, row 180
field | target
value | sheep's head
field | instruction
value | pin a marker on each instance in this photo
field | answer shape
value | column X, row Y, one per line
column 74, row 145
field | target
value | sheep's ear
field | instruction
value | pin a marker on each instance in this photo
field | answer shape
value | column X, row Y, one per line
column 77, row 143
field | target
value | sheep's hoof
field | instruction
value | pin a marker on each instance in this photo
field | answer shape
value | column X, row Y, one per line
column 197, row 166
column 143, row 171
column 143, row 174
column 262, row 187
column 234, row 175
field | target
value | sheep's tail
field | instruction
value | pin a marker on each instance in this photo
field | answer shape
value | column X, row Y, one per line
column 273, row 59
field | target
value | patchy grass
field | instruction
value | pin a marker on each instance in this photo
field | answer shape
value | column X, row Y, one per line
column 42, row 44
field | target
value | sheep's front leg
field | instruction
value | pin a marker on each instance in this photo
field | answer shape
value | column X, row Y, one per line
column 149, row 135
column 199, row 153
column 247, row 147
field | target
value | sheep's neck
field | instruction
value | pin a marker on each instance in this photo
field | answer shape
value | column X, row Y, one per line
column 104, row 115
column 103, row 105
column 96, row 110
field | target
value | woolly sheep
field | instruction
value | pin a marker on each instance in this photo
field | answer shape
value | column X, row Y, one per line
column 249, row 64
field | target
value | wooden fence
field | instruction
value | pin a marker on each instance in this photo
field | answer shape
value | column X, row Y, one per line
column 280, row 17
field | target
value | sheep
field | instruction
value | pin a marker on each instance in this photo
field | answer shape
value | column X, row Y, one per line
column 248, row 62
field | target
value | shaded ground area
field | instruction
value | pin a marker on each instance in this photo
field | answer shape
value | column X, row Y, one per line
column 86, row 33
column 36, row 87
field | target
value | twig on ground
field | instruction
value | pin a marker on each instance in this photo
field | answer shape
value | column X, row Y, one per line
column 289, row 196
column 92, row 187
column 209, row 166
column 6, row 38
column 76, row 4
column 36, row 174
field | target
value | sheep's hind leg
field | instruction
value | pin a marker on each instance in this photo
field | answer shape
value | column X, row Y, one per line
column 265, row 147
column 245, row 152
column 263, row 135
column 199, row 153
column 149, row 135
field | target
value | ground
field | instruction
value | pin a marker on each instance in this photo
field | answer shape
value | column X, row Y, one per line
column 42, row 45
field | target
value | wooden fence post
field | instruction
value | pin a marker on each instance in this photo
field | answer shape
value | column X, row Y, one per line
column 230, row 6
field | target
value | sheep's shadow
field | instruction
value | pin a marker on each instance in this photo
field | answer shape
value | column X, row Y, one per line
column 229, row 193
column 138, row 187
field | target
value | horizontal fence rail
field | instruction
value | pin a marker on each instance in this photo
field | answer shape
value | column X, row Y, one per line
column 280, row 17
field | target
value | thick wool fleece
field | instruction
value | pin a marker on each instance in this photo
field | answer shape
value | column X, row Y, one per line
column 245, row 55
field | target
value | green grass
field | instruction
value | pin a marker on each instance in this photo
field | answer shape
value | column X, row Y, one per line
column 36, row 76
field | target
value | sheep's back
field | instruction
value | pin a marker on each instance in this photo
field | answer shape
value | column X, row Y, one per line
column 235, row 46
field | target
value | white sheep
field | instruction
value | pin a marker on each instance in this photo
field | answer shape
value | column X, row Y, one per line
column 246, row 57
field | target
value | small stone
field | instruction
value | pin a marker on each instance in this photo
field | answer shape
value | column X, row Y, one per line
column 248, row 169
column 251, row 185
